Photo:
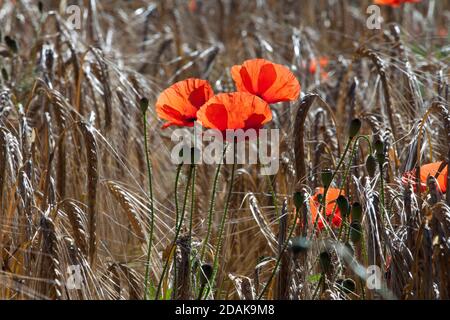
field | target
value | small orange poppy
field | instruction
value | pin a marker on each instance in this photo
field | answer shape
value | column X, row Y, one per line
column 430, row 169
column 394, row 3
column 322, row 62
column 314, row 204
column 237, row 110
column 179, row 103
column 270, row 81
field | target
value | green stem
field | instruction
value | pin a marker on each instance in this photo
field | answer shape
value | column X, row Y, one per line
column 381, row 192
column 177, row 212
column 322, row 278
column 177, row 232
column 211, row 212
column 280, row 255
column 222, row 225
column 191, row 214
column 341, row 160
column 150, row 188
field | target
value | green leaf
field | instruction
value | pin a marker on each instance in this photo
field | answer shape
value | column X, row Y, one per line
column 314, row 278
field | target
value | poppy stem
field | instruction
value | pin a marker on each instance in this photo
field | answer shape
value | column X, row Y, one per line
column 341, row 160
column 177, row 212
column 177, row 232
column 280, row 255
column 191, row 214
column 222, row 224
column 318, row 286
column 211, row 210
column 150, row 188
column 355, row 145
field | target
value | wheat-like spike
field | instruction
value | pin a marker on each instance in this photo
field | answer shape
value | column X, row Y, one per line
column 92, row 180
column 49, row 266
column 124, row 199
column 77, row 219
column 134, row 282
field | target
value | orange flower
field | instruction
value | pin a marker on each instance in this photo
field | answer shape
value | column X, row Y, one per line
column 237, row 110
column 179, row 103
column 192, row 6
column 323, row 62
column 394, row 3
column 430, row 169
column 270, row 81
column 314, row 204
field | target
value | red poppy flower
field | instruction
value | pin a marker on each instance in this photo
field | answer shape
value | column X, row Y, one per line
column 192, row 6
column 237, row 110
column 394, row 3
column 430, row 169
column 314, row 204
column 179, row 103
column 322, row 61
column 270, row 81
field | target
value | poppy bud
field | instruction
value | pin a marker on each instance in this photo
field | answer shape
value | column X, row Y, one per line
column 380, row 158
column 327, row 176
column 5, row 74
column 325, row 261
column 349, row 285
column 206, row 272
column 143, row 103
column 379, row 146
column 299, row 244
column 350, row 249
column 319, row 198
column 12, row 44
column 355, row 126
column 356, row 212
column 355, row 231
column 298, row 200
column 343, row 206
column 371, row 165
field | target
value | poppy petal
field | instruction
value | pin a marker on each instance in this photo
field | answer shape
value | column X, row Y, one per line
column 238, row 110
column 218, row 115
column 179, row 103
column 270, row 81
column 430, row 169
column 266, row 78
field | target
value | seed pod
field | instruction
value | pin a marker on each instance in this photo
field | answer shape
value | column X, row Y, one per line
column 320, row 197
column 206, row 271
column 348, row 285
column 355, row 231
column 298, row 200
column 379, row 146
column 5, row 74
column 343, row 206
column 349, row 246
column 325, row 261
column 356, row 212
column 327, row 176
column 143, row 103
column 12, row 44
column 371, row 165
column 355, row 126
column 380, row 158
column 299, row 244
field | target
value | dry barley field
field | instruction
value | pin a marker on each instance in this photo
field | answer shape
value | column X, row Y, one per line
column 92, row 205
